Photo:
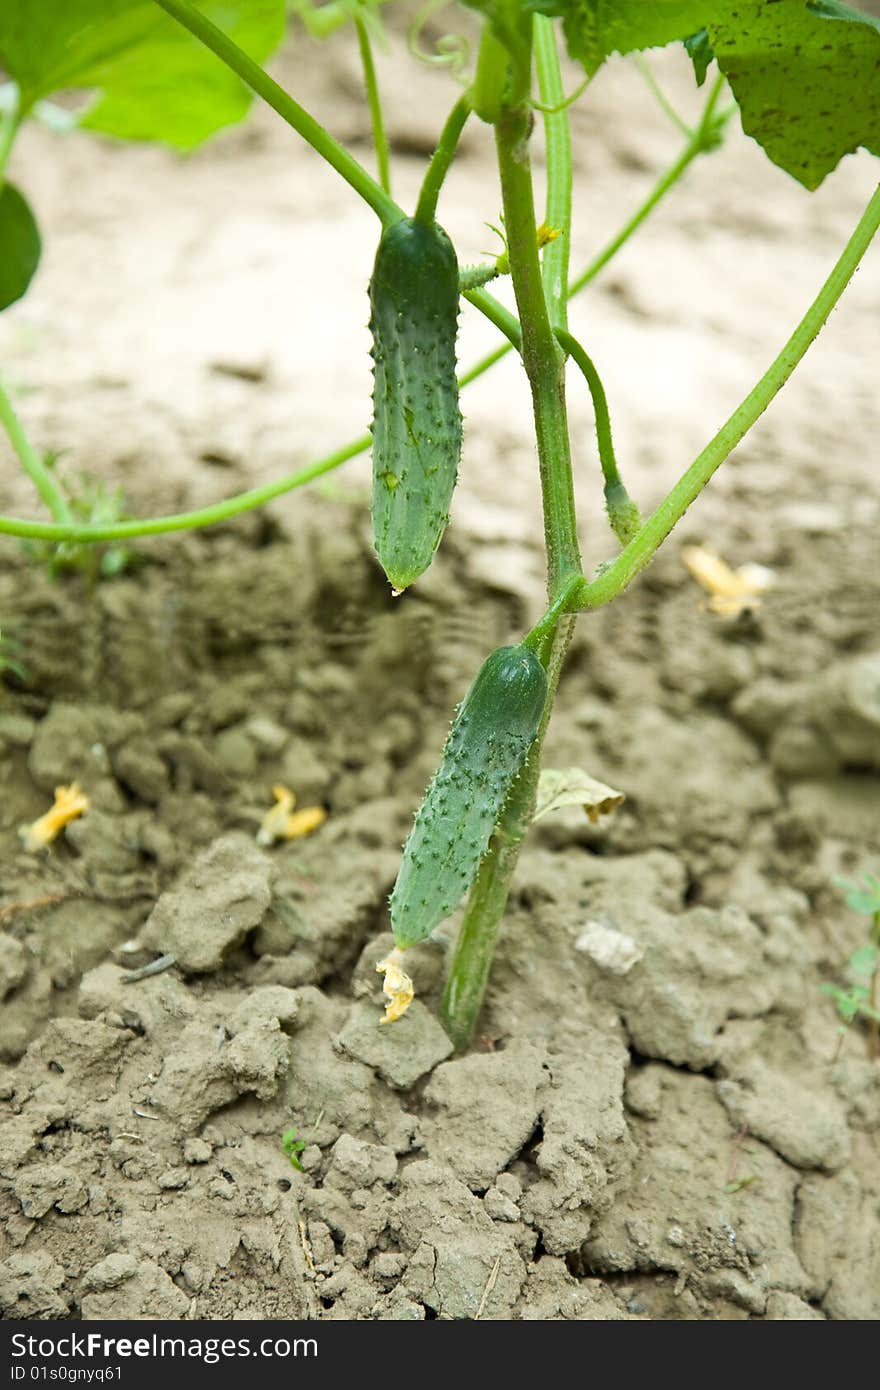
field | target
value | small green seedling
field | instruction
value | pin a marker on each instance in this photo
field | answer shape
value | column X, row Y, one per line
column 860, row 999
column 148, row 80
column 293, row 1147
column 90, row 503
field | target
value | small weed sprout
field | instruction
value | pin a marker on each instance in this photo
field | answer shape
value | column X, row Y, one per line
column 293, row 1147
column 90, row 503
column 860, row 999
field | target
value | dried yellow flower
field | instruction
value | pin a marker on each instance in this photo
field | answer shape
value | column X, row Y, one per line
column 397, row 986
column 731, row 592
column 282, row 822
column 69, row 804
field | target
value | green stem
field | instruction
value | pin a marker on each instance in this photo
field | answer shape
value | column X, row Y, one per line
column 557, row 140
column 289, row 110
column 185, row 521
column 486, row 904
column 623, row 513
column 624, row 569
column 543, row 361
column 585, row 364
column 537, row 637
column 9, row 124
column 659, row 95
column 496, row 313
column 31, row 461
column 505, row 321
column 380, row 139
column 441, row 160
column 474, row 277
column 482, row 366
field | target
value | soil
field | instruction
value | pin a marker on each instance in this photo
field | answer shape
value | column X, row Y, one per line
column 658, row 1119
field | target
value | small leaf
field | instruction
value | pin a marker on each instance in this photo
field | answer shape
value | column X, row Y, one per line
column 863, row 962
column 19, row 245
column 699, row 50
column 865, row 903
column 293, row 1147
column 574, row 787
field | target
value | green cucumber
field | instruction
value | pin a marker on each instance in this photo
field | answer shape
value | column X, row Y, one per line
column 488, row 743
column 416, row 420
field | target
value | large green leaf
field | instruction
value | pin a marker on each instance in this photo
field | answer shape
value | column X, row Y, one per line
column 807, row 83
column 19, row 245
column 805, row 73
column 155, row 81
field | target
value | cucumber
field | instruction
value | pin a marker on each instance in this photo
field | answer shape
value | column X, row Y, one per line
column 487, row 746
column 416, row 420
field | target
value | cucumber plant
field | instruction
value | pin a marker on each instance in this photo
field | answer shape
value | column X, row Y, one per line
column 801, row 75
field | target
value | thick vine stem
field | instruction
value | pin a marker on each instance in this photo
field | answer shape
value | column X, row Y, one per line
column 557, row 138
column 542, row 357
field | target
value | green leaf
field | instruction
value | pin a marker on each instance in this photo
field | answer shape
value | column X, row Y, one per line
column 155, row 81
column 864, row 902
column 863, row 961
column 806, row 83
column 699, row 50
column 805, row 75
column 19, row 245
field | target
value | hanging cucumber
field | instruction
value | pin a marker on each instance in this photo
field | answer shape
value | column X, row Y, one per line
column 416, row 420
column 487, row 746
